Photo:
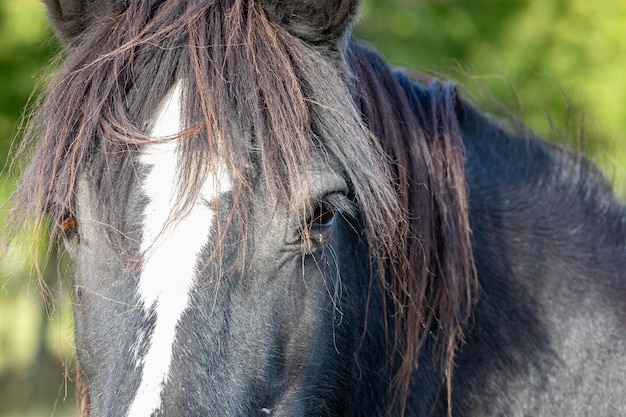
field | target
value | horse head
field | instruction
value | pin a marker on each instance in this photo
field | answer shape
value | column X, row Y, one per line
column 258, row 225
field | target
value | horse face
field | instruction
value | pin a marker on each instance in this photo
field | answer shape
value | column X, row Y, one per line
column 187, row 302
column 197, row 325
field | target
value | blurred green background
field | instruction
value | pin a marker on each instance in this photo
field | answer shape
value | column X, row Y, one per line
column 558, row 64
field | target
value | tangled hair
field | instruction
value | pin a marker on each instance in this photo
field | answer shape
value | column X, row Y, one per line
column 434, row 282
column 263, row 99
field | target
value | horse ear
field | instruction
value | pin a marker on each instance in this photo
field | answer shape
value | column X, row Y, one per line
column 71, row 17
column 315, row 21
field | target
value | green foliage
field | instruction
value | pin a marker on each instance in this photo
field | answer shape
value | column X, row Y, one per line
column 558, row 64
column 25, row 47
column 34, row 343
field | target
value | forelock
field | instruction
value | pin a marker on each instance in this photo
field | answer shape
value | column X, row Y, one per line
column 254, row 93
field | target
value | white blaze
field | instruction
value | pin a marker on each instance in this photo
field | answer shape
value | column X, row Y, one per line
column 171, row 250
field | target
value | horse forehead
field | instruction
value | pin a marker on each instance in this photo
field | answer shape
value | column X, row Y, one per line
column 163, row 157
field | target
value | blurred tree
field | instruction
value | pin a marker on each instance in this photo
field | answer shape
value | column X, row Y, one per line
column 558, row 64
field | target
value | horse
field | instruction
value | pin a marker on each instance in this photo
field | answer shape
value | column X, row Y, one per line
column 265, row 218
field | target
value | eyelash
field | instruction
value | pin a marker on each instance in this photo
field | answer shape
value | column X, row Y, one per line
column 323, row 217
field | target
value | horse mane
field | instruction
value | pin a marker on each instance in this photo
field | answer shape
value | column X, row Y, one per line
column 434, row 282
column 261, row 99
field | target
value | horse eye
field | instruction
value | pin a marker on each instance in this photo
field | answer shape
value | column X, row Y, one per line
column 67, row 222
column 323, row 216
